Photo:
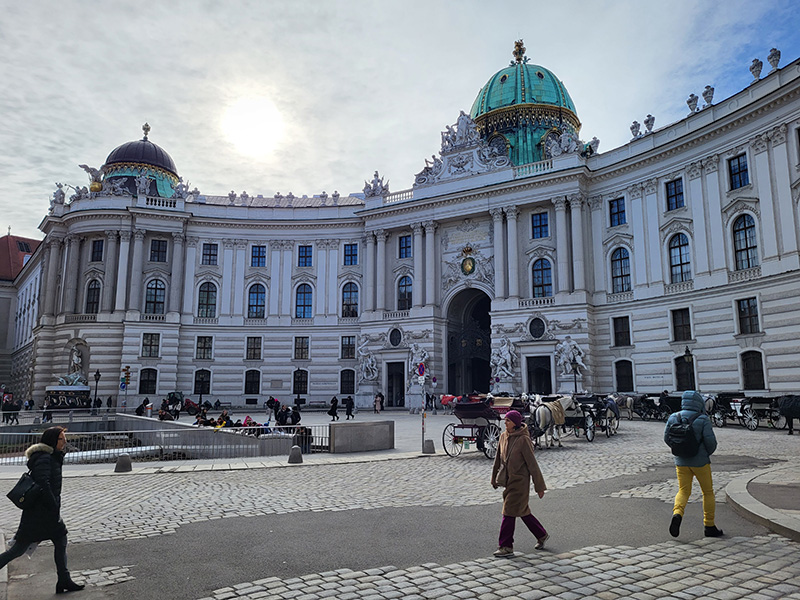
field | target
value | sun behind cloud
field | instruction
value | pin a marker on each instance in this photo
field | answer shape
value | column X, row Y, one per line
column 254, row 126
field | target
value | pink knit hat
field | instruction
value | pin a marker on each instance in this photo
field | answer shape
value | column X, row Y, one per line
column 514, row 417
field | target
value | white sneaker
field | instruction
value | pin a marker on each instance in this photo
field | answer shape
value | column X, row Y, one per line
column 504, row 551
column 540, row 544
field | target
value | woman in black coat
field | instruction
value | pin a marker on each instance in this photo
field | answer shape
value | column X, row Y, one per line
column 334, row 409
column 42, row 520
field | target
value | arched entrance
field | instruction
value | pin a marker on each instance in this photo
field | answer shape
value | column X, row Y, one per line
column 469, row 342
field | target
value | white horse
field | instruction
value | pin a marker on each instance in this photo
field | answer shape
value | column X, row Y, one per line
column 624, row 402
column 543, row 419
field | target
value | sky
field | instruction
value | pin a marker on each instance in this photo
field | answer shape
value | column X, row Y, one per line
column 303, row 96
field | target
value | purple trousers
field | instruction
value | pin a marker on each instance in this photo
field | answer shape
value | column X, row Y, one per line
column 507, row 529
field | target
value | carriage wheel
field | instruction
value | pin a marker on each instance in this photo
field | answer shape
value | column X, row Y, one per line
column 451, row 443
column 589, row 427
column 777, row 421
column 718, row 419
column 491, row 437
column 750, row 418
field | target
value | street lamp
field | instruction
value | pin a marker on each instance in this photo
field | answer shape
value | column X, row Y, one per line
column 96, row 381
column 687, row 355
column 689, row 358
column 574, row 364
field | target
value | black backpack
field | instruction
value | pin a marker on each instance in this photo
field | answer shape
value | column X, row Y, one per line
column 681, row 437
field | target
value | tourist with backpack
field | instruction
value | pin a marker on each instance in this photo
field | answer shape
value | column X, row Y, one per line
column 691, row 437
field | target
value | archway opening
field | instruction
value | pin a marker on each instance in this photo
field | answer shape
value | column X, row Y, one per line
column 469, row 342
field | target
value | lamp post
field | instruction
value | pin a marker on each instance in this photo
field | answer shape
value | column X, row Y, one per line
column 574, row 364
column 96, row 381
column 689, row 358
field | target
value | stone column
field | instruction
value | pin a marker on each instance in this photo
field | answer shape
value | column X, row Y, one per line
column 562, row 247
column 110, row 271
column 287, row 260
column 380, row 269
column 783, row 190
column 513, row 263
column 597, row 225
column 417, row 297
column 499, row 254
column 760, row 172
column 430, row 269
column 578, row 272
column 333, row 278
column 72, row 274
column 176, row 283
column 322, row 275
column 369, row 272
column 700, row 241
column 275, row 277
column 227, row 278
column 53, row 268
column 188, row 275
column 652, row 210
column 44, row 279
column 715, row 198
column 120, row 300
column 239, row 291
column 135, row 298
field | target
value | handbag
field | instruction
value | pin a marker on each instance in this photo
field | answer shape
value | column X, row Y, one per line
column 26, row 492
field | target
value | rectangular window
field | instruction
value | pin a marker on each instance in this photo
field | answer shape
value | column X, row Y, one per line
column 737, row 169
column 23, row 246
column 204, row 347
column 616, row 211
column 404, row 246
column 150, row 344
column 681, row 325
column 350, row 254
column 253, row 348
column 674, row 194
column 539, row 225
column 97, row 251
column 347, row 382
column 348, row 346
column 301, row 348
column 258, row 256
column 304, row 256
column 748, row 315
column 622, row 331
column 158, row 251
column 210, row 252
column 252, row 382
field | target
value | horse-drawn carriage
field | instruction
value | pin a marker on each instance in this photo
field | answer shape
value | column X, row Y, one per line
column 479, row 418
column 747, row 411
column 583, row 415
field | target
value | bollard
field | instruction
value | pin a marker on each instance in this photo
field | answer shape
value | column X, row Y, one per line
column 123, row 464
column 295, row 456
column 427, row 447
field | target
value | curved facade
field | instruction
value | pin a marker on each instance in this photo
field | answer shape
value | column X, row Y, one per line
column 672, row 262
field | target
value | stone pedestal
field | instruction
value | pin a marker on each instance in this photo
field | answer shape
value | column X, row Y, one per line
column 502, row 386
column 415, row 398
column 566, row 384
column 80, row 395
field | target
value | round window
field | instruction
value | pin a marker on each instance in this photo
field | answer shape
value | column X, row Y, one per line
column 536, row 328
column 395, row 337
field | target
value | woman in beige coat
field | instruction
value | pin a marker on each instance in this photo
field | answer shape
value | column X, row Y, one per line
column 514, row 467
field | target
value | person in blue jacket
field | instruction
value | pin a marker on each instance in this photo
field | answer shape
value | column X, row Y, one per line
column 699, row 465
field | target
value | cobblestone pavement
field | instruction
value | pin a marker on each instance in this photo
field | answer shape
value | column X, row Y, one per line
column 114, row 507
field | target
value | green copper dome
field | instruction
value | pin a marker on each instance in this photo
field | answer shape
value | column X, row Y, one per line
column 524, row 104
column 521, row 84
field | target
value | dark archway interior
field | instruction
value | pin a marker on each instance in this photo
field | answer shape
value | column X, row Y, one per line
column 469, row 342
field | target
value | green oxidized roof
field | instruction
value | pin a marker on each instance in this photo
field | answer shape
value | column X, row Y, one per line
column 522, row 83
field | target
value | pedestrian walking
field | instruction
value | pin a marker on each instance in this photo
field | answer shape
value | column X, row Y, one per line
column 41, row 521
column 333, row 410
column 378, row 402
column 514, row 467
column 695, row 464
column 349, row 404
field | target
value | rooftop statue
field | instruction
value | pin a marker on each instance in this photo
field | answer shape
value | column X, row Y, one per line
column 594, row 145
column 377, row 187
column 181, row 189
column 708, row 95
column 649, row 121
column 635, row 127
column 774, row 58
column 755, row 69
column 142, row 184
column 117, row 186
column 80, row 193
column 691, row 102
column 95, row 175
column 335, row 196
column 231, row 198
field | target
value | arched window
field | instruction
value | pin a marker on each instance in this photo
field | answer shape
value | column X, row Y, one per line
column 404, row 293
column 350, row 300
column 684, row 374
column 304, row 302
column 300, row 382
column 347, row 381
column 154, row 298
column 680, row 266
column 753, row 370
column 256, row 302
column 207, row 300
column 147, row 381
column 620, row 271
column 202, row 382
column 542, row 279
column 623, row 369
column 93, row 298
column 745, row 247
column 252, row 382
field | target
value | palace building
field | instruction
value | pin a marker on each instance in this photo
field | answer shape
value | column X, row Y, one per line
column 521, row 259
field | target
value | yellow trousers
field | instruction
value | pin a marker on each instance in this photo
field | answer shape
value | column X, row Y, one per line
column 685, row 476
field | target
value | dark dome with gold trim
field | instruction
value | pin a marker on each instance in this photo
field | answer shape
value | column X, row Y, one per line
column 142, row 152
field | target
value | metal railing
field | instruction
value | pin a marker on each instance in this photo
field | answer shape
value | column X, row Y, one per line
column 185, row 443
